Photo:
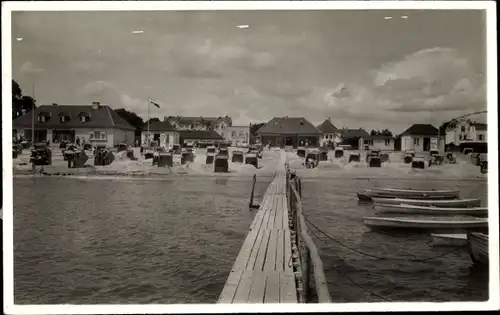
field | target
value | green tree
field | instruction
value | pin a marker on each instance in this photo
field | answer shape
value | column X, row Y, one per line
column 131, row 117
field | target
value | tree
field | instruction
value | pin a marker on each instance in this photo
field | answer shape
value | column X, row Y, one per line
column 21, row 104
column 254, row 128
column 386, row 132
column 131, row 117
column 373, row 132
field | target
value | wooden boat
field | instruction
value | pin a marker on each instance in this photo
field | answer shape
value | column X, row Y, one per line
column 426, row 223
column 457, row 203
column 478, row 248
column 411, row 193
column 459, row 239
column 369, row 194
column 382, row 208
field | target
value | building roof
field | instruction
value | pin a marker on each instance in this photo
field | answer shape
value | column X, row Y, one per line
column 421, row 129
column 354, row 133
column 288, row 125
column 480, row 126
column 377, row 137
column 99, row 117
column 184, row 120
column 200, row 135
column 327, row 127
column 159, row 126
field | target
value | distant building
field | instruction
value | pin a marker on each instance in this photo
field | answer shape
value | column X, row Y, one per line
column 351, row 136
column 289, row 131
column 461, row 131
column 420, row 138
column 201, row 137
column 329, row 133
column 383, row 143
column 162, row 132
column 237, row 134
column 96, row 124
column 217, row 124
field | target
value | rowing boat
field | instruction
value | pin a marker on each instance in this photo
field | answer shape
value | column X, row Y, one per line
column 457, row 203
column 416, row 209
column 431, row 223
column 368, row 194
column 478, row 248
column 449, row 239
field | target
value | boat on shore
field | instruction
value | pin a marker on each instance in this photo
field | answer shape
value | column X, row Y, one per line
column 416, row 209
column 459, row 239
column 478, row 248
column 427, row 223
column 457, row 203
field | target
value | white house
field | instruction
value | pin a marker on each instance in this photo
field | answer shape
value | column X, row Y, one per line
column 95, row 124
column 465, row 130
column 161, row 131
column 383, row 143
column 420, row 138
column 329, row 133
column 237, row 134
column 217, row 124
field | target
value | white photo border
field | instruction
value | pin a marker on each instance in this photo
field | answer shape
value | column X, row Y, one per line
column 8, row 260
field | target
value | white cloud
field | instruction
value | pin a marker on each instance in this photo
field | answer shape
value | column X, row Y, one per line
column 29, row 68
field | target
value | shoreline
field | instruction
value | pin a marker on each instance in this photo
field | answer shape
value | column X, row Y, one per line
column 70, row 173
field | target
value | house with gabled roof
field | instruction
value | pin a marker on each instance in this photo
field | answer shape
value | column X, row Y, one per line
column 96, row 124
column 329, row 133
column 465, row 130
column 351, row 137
column 377, row 142
column 162, row 132
column 420, row 138
column 201, row 123
column 289, row 132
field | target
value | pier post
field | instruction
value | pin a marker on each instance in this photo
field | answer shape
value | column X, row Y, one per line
column 250, row 205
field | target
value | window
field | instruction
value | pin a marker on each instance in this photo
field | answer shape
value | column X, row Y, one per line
column 41, row 118
column 387, row 142
column 481, row 137
column 242, row 134
column 416, row 141
column 233, row 134
column 463, row 128
column 98, row 135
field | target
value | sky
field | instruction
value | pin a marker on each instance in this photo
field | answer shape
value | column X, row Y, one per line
column 360, row 68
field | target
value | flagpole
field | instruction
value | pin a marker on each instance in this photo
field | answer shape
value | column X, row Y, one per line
column 149, row 102
column 33, row 117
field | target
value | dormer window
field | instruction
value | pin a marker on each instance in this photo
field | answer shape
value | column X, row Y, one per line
column 43, row 117
column 84, row 117
column 63, row 117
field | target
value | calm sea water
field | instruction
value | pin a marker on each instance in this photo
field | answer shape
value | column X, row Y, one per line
column 88, row 241
column 128, row 241
column 332, row 206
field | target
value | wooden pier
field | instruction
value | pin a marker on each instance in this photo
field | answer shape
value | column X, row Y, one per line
column 269, row 267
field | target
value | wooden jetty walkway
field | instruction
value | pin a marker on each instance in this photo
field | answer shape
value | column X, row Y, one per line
column 267, row 268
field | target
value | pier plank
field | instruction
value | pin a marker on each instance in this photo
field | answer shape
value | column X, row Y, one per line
column 288, row 289
column 272, row 292
column 230, row 286
column 255, row 250
column 288, row 251
column 272, row 217
column 258, row 288
column 270, row 262
column 280, row 251
column 243, row 291
column 261, row 255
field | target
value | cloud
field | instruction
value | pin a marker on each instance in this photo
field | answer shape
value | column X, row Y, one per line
column 426, row 86
column 29, row 68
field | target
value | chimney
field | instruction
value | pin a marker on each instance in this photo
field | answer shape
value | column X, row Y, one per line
column 54, row 104
column 96, row 105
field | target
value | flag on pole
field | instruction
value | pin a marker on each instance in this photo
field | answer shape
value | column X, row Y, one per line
column 153, row 102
